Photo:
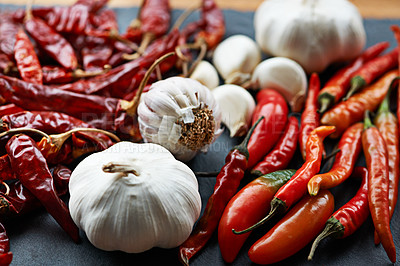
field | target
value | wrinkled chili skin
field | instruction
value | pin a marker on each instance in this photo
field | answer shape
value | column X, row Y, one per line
column 213, row 29
column 239, row 214
column 273, row 107
column 31, row 169
column 279, row 157
column 8, row 30
column 349, row 149
column 5, row 255
column 155, row 17
column 9, row 109
column 346, row 113
column 376, row 158
column 338, row 85
column 310, row 116
column 295, row 230
column 6, row 172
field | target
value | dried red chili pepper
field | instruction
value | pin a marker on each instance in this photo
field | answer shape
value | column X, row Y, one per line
column 310, row 116
column 8, row 109
column 5, row 255
column 227, row 184
column 6, row 172
column 346, row 113
column 348, row 218
column 55, row 45
column 296, row 187
column 372, row 70
column 349, row 149
column 376, row 158
column 279, row 157
column 213, row 29
column 8, row 30
column 273, row 107
column 31, row 168
column 27, row 61
column 295, row 230
column 60, row 75
column 337, row 86
column 240, row 215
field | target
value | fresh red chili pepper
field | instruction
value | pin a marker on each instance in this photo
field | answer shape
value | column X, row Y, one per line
column 55, row 45
column 227, row 184
column 8, row 109
column 5, row 255
column 376, row 157
column 31, row 168
column 348, row 218
column 346, row 113
column 246, row 208
column 337, row 86
column 388, row 126
column 213, row 29
column 310, row 116
column 396, row 32
column 8, row 30
column 372, row 70
column 279, row 157
column 349, row 149
column 296, row 187
column 273, row 107
column 295, row 230
column 27, row 61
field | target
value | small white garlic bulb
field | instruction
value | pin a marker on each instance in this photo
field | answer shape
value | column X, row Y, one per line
column 206, row 74
column 235, row 58
column 237, row 106
column 180, row 114
column 315, row 33
column 285, row 76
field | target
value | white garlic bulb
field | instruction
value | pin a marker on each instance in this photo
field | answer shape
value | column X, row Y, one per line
column 285, row 76
column 237, row 106
column 315, row 33
column 132, row 197
column 206, row 74
column 236, row 57
column 180, row 114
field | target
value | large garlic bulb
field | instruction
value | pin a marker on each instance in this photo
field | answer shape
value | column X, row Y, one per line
column 132, row 197
column 180, row 114
column 315, row 33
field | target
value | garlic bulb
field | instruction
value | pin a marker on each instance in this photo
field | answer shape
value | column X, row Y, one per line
column 237, row 106
column 236, row 57
column 180, row 114
column 285, row 76
column 132, row 197
column 206, row 74
column 315, row 33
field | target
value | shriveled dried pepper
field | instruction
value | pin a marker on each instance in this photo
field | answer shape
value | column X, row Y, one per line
column 8, row 30
column 247, row 207
column 31, row 169
column 227, row 184
column 349, row 149
column 279, row 157
column 296, row 187
column 348, row 218
column 8, row 109
column 338, row 85
column 273, row 107
column 376, row 158
column 346, row 113
column 213, row 28
column 310, row 116
column 5, row 255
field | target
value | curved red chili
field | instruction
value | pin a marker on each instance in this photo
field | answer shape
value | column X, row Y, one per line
column 279, row 157
column 337, row 86
column 348, row 218
column 376, row 158
column 295, row 230
column 246, row 208
column 349, row 149
column 274, row 108
column 310, row 116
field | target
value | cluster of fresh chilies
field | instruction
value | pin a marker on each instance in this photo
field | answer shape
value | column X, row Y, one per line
column 86, row 34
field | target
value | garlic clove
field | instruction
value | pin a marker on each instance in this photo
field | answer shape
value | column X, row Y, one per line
column 285, row 76
column 237, row 106
column 206, row 74
column 235, row 58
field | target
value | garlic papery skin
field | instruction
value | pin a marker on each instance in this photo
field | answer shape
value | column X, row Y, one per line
column 155, row 203
column 237, row 106
column 206, row 74
column 235, row 58
column 285, row 76
column 315, row 33
column 180, row 114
